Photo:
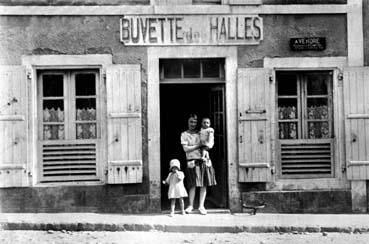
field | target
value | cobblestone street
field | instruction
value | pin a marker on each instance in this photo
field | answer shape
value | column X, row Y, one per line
column 33, row 237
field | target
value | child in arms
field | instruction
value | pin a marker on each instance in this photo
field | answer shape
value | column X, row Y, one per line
column 206, row 138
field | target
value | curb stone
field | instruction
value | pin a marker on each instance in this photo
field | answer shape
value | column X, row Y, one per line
column 174, row 228
column 312, row 229
column 159, row 228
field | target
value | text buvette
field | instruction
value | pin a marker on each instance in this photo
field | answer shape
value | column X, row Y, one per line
column 150, row 30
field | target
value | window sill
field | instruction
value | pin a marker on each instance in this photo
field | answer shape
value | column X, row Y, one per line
column 95, row 183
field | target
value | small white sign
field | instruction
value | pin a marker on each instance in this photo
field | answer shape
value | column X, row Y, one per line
column 168, row 30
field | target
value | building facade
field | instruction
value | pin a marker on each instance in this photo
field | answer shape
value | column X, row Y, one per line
column 96, row 93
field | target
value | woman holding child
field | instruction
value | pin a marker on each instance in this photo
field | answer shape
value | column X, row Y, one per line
column 200, row 172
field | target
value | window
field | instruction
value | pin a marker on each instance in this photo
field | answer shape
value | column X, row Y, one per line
column 191, row 69
column 78, row 91
column 68, row 124
column 304, row 105
column 305, row 125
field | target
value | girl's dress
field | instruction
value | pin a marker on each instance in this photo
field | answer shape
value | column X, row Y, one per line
column 176, row 187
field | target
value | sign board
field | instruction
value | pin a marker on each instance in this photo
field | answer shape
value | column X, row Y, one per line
column 308, row 44
column 171, row 30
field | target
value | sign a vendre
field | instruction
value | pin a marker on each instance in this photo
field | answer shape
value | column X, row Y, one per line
column 154, row 30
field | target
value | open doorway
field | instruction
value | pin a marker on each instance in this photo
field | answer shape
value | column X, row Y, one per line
column 177, row 101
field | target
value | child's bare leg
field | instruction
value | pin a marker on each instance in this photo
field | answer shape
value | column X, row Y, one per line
column 204, row 152
column 205, row 155
column 172, row 206
column 181, row 203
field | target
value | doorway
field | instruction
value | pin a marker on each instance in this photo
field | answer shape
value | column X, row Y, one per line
column 177, row 101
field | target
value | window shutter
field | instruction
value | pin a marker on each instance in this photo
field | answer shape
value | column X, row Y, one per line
column 13, row 126
column 254, row 130
column 356, row 101
column 124, row 124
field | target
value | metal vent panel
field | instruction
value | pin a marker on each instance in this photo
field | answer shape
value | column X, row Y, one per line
column 306, row 159
column 66, row 162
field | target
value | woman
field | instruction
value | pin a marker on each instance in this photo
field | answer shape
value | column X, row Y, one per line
column 199, row 173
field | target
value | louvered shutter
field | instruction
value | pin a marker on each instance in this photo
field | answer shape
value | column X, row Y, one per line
column 254, row 130
column 356, row 101
column 124, row 124
column 13, row 126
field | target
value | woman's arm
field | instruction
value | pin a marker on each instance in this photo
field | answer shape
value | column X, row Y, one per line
column 184, row 142
column 187, row 148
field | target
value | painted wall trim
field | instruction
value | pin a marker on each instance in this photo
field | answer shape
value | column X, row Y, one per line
column 305, row 62
column 254, row 165
column 355, row 34
column 291, row 9
column 12, row 117
column 125, row 163
column 153, row 123
column 67, row 60
column 12, row 166
column 358, row 116
column 176, row 9
column 357, row 163
column 124, row 115
column 308, row 184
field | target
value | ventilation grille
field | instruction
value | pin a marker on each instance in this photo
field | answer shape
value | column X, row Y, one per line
column 66, row 162
column 306, row 159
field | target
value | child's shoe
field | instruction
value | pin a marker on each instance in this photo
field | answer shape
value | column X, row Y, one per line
column 183, row 212
column 171, row 214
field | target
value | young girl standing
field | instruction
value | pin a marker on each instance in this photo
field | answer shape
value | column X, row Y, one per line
column 176, row 187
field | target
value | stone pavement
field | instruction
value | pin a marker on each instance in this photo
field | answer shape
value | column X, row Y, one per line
column 210, row 223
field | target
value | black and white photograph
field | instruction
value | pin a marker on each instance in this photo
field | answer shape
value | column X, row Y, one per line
column 184, row 121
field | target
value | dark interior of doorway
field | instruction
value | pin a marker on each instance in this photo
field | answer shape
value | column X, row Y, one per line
column 177, row 101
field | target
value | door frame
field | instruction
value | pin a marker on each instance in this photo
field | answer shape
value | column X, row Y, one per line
column 220, row 166
column 153, row 113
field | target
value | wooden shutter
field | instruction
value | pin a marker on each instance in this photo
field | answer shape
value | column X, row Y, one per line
column 356, row 100
column 124, row 124
column 13, row 126
column 254, row 131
